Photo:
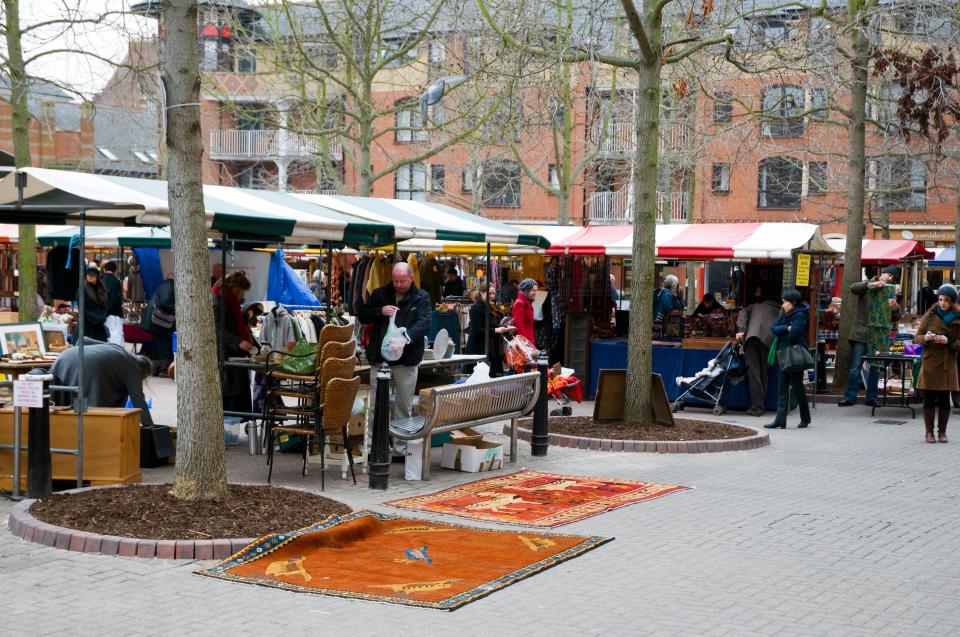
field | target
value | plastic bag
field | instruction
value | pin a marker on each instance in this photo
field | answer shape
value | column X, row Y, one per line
column 304, row 359
column 394, row 341
column 114, row 325
column 480, row 373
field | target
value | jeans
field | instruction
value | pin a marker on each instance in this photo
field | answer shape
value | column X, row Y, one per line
column 404, row 381
column 791, row 381
column 858, row 351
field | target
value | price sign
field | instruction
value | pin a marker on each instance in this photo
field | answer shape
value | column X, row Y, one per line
column 803, row 270
column 27, row 393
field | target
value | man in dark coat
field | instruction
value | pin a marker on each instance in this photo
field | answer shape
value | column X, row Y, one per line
column 111, row 375
column 114, row 289
column 411, row 308
column 161, row 324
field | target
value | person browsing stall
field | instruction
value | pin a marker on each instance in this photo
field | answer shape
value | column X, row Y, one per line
column 453, row 286
column 939, row 332
column 523, row 309
column 410, row 308
column 112, row 374
column 709, row 306
column 483, row 322
column 238, row 341
column 755, row 331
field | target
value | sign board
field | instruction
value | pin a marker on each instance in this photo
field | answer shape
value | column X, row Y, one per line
column 803, row 270
column 611, row 389
column 27, row 393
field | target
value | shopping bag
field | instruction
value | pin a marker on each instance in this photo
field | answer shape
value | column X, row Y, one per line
column 394, row 341
column 114, row 325
column 795, row 358
column 303, row 359
column 772, row 354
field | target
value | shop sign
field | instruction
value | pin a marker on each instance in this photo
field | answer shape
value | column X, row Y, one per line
column 803, row 270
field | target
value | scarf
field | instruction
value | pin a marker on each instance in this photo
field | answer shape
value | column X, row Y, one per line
column 947, row 317
column 232, row 303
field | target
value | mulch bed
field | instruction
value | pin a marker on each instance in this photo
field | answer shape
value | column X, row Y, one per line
column 685, row 429
column 150, row 512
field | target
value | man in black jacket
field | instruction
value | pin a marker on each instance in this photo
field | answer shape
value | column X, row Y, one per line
column 114, row 289
column 159, row 318
column 411, row 308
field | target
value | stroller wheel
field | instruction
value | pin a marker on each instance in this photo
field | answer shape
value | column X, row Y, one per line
column 719, row 410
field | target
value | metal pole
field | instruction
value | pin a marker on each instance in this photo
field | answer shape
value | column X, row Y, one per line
column 540, row 439
column 16, row 451
column 39, row 458
column 488, row 309
column 329, row 299
column 81, row 403
column 379, row 452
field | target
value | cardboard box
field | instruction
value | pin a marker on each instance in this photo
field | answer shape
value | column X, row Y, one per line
column 472, row 455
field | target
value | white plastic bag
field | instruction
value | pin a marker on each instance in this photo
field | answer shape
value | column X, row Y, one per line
column 114, row 325
column 480, row 373
column 413, row 461
column 394, row 341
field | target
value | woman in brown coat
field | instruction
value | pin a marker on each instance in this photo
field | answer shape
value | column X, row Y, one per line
column 939, row 334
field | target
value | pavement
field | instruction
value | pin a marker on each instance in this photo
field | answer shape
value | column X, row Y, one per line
column 845, row 528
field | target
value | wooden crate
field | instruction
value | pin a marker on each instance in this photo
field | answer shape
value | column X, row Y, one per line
column 111, row 446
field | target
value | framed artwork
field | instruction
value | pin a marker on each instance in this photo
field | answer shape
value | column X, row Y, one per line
column 22, row 338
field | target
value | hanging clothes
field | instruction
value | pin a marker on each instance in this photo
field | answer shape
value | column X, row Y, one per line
column 533, row 267
column 134, row 282
column 278, row 329
column 61, row 282
column 381, row 273
column 431, row 276
column 414, row 264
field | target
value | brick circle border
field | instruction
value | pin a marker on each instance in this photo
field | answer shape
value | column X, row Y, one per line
column 23, row 525
column 758, row 440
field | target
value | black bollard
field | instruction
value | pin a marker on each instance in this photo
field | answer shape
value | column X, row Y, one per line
column 379, row 446
column 541, row 429
column 39, row 459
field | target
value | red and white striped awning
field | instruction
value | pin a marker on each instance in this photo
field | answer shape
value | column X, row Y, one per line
column 701, row 241
column 883, row 251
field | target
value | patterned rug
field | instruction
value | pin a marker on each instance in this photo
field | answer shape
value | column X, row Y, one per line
column 368, row 555
column 531, row 498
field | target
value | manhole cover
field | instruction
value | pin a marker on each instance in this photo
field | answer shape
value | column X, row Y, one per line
column 889, row 422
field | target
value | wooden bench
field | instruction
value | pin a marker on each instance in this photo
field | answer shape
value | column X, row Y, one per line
column 453, row 407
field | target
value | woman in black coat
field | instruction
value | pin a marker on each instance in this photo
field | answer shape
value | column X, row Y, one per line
column 480, row 326
column 791, row 329
column 94, row 306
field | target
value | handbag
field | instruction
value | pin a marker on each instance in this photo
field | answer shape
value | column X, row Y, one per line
column 772, row 353
column 302, row 359
column 161, row 319
column 795, row 358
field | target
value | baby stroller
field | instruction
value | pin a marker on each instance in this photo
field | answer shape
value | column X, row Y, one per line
column 708, row 385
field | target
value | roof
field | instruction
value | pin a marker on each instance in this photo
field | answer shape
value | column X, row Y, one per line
column 701, row 242
column 47, row 99
column 128, row 135
column 945, row 258
column 99, row 237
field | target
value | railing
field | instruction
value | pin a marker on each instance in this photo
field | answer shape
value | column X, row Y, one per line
column 267, row 144
column 619, row 137
column 608, row 208
column 315, row 191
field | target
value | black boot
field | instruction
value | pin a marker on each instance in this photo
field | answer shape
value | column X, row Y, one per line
column 929, row 415
column 944, row 416
column 775, row 425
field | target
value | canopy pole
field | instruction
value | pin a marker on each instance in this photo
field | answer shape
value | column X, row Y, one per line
column 222, row 323
column 487, row 309
column 81, row 404
column 329, row 299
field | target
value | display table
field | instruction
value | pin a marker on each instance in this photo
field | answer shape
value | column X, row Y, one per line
column 111, row 453
column 671, row 362
column 900, row 362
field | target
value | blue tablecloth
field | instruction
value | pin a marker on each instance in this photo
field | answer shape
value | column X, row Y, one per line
column 671, row 362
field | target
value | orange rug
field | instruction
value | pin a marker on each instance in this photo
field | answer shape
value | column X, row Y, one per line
column 531, row 498
column 368, row 555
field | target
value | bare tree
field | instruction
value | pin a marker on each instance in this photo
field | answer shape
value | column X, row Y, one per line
column 200, row 472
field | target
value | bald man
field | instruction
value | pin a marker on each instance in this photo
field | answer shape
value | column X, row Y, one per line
column 411, row 308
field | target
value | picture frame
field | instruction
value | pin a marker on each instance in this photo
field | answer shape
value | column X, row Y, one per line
column 25, row 338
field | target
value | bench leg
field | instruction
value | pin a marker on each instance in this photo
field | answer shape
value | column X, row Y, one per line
column 425, row 469
column 513, row 440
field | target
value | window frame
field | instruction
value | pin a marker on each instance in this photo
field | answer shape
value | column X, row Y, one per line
column 505, row 195
column 406, row 115
column 722, row 167
column 768, row 198
column 409, row 193
column 437, row 174
column 821, row 186
column 783, row 124
column 723, row 108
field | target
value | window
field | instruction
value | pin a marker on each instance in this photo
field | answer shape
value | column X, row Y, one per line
column 552, row 176
column 781, row 183
column 246, row 60
column 816, row 178
column 721, row 179
column 411, row 182
column 437, row 52
column 409, row 125
column 817, row 99
column 773, row 31
column 390, row 47
column 781, row 105
column 723, row 108
column 899, row 183
column 153, row 155
column 326, row 55
column 501, row 184
column 142, row 157
column 438, row 178
column 106, row 152
column 466, row 179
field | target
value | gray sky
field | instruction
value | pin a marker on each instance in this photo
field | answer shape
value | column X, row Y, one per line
column 108, row 40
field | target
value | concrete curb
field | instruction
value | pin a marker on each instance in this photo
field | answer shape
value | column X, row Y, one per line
column 760, row 439
column 25, row 526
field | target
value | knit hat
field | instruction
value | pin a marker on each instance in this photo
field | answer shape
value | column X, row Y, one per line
column 526, row 284
column 948, row 291
column 93, row 270
column 892, row 270
column 793, row 296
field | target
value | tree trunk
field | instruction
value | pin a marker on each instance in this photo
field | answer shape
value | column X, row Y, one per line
column 885, row 218
column 857, row 164
column 640, row 347
column 200, row 471
column 27, row 242
column 956, row 242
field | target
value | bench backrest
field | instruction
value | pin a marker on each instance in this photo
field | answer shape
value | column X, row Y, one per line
column 451, row 404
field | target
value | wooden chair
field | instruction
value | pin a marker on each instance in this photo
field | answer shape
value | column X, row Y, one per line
column 334, row 334
column 340, row 395
column 309, row 408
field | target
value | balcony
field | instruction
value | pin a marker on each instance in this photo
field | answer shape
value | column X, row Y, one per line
column 256, row 145
column 315, row 191
column 612, row 208
column 618, row 138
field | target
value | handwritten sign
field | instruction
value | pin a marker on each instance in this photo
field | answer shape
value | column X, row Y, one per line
column 803, row 270
column 27, row 393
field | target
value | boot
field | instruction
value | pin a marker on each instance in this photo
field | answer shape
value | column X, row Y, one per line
column 942, row 425
column 928, row 419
